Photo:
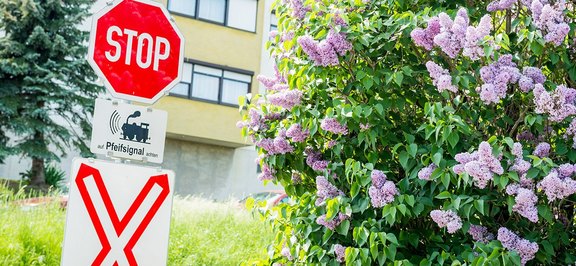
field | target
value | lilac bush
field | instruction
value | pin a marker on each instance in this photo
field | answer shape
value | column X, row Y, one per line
column 420, row 132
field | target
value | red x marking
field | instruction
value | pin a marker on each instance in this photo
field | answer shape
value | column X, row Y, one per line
column 86, row 171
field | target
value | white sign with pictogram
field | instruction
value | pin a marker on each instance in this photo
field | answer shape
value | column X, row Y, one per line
column 128, row 131
column 117, row 214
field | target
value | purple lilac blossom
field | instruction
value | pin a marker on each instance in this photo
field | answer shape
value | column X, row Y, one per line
column 426, row 172
column 272, row 34
column 338, row 42
column 278, row 145
column 425, row 37
column 287, row 36
column 314, row 160
column 566, row 170
column 520, row 165
column 381, row 192
column 558, row 105
column 325, row 53
column 556, row 187
column 325, row 190
column 512, row 241
column 286, row 253
column 296, row 178
column 448, row 219
column 452, row 33
column 480, row 233
column 267, row 173
column 298, row 9
column 364, row 127
column 332, row 125
column 542, row 150
column 297, row 133
column 279, row 87
column 474, row 37
column 310, row 47
column 530, row 77
column 535, row 74
column 330, row 144
column 378, row 178
column 271, row 82
column 480, row 165
column 440, row 77
column 286, row 98
column 526, row 135
column 500, row 5
column 256, row 121
column 268, row 82
column 517, row 150
column 340, row 252
column 571, row 132
column 526, row 204
column 526, row 182
column 463, row 158
column 550, row 19
column 333, row 223
column 497, row 76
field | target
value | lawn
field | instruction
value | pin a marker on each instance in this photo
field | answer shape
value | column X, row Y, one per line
column 202, row 233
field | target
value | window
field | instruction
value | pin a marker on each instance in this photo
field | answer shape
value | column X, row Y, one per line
column 213, row 83
column 240, row 14
column 273, row 21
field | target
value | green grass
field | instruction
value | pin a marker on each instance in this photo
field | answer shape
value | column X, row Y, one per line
column 202, row 233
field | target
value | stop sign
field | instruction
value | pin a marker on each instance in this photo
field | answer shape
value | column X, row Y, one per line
column 136, row 49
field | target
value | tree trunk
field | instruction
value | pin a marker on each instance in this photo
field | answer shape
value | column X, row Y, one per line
column 37, row 178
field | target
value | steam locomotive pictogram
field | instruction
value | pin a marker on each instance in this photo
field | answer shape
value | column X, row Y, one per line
column 130, row 131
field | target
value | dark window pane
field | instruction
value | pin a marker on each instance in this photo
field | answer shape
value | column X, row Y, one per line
column 213, row 10
column 180, row 89
column 186, row 7
column 232, row 90
column 205, row 87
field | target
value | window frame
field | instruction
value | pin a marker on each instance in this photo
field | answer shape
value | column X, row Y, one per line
column 221, row 79
column 226, row 13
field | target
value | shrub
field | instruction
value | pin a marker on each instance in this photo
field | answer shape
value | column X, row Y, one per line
column 54, row 177
column 420, row 132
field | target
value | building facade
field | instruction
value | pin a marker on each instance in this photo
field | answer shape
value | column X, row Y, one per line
column 224, row 42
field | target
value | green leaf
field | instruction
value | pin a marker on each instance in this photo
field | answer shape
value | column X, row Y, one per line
column 532, row 173
column 453, row 139
column 403, row 157
column 537, row 48
column 443, row 195
column 509, row 142
column 355, row 189
column 412, row 149
column 545, row 212
column 402, row 208
column 446, row 180
column 479, row 205
column 398, row 78
column 332, row 208
column 548, row 247
column 343, row 228
column 410, row 200
column 437, row 158
column 392, row 238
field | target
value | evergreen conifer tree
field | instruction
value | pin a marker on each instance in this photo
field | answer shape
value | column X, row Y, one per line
column 47, row 88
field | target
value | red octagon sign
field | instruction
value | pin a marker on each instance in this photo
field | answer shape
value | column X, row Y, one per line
column 136, row 49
